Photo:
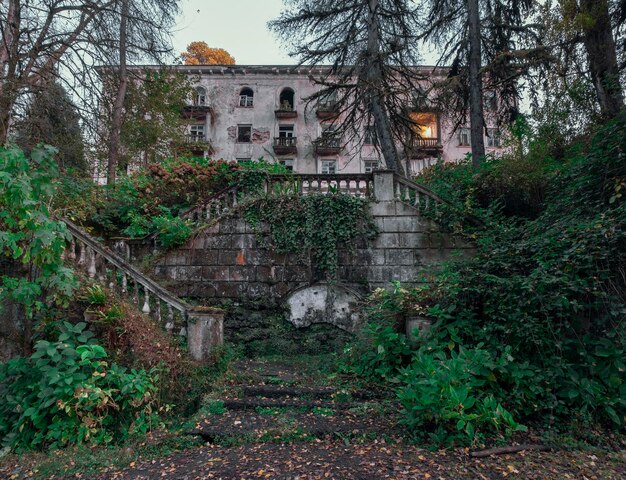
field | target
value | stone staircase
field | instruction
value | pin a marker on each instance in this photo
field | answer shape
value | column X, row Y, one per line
column 277, row 402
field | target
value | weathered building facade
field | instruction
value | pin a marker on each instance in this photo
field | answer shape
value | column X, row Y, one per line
column 244, row 113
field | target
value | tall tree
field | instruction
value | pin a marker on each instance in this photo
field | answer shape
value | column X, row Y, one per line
column 478, row 39
column 52, row 118
column 38, row 39
column 199, row 53
column 371, row 48
column 594, row 19
column 118, row 105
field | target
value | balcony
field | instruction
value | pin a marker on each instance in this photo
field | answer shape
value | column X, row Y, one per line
column 285, row 145
column 327, row 145
column 197, row 112
column 327, row 110
column 425, row 147
column 285, row 113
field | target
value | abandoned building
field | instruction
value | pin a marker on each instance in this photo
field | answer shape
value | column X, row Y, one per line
column 243, row 113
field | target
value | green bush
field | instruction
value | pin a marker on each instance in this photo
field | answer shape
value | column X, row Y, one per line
column 541, row 306
column 445, row 396
column 66, row 393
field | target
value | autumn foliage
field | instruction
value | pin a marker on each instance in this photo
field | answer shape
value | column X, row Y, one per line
column 199, row 53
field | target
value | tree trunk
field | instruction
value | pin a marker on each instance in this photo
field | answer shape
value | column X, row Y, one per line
column 118, row 106
column 373, row 80
column 477, row 119
column 600, row 46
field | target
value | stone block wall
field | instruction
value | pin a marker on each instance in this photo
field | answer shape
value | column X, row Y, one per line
column 228, row 261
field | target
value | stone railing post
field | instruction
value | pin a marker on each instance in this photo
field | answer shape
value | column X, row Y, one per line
column 205, row 331
column 383, row 185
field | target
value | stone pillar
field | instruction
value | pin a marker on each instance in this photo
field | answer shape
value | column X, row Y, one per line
column 383, row 185
column 205, row 331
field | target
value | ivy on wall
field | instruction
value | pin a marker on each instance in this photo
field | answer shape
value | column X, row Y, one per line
column 317, row 224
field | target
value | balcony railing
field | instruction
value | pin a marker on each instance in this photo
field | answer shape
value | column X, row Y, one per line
column 327, row 145
column 286, row 113
column 195, row 139
column 327, row 110
column 284, row 145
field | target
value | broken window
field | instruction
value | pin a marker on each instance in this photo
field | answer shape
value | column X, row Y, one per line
column 246, row 97
column 286, row 99
column 244, row 133
column 425, row 124
column 196, row 133
column 285, row 131
column 329, row 167
column 199, row 98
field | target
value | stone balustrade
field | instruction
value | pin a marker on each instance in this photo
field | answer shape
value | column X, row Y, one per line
column 152, row 299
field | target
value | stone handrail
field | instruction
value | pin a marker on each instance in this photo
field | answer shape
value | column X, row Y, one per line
column 358, row 184
column 101, row 262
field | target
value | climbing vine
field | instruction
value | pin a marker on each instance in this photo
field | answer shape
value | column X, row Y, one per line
column 317, row 224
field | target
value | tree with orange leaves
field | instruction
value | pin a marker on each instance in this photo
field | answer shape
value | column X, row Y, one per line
column 199, row 53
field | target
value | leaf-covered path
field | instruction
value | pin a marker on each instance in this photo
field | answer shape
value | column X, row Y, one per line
column 281, row 420
column 276, row 420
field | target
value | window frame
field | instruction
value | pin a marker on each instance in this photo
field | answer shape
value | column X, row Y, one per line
column 283, row 162
column 199, row 99
column 197, row 131
column 494, row 139
column 245, row 100
column 371, row 135
column 370, row 168
column 240, row 127
column 328, row 162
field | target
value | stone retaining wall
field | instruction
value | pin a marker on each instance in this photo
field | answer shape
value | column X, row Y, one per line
column 227, row 261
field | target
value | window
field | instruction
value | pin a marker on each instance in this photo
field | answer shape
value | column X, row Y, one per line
column 286, row 99
column 246, row 97
column 199, row 98
column 493, row 137
column 370, row 137
column 371, row 165
column 244, row 133
column 287, row 163
column 465, row 137
column 285, row 131
column 196, row 132
column 490, row 102
column 424, row 124
column 329, row 166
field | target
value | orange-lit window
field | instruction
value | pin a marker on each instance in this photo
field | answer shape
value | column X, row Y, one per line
column 425, row 124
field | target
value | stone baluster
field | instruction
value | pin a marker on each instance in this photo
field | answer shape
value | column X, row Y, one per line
column 146, row 303
column 169, row 324
column 124, row 283
column 397, row 191
column 416, row 202
column 91, row 269
column 157, row 313
column 82, row 260
column 407, row 194
column 135, row 292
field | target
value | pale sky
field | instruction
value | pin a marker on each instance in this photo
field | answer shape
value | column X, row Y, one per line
column 237, row 26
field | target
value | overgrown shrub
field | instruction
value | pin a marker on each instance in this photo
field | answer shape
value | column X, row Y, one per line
column 66, row 393
column 543, row 300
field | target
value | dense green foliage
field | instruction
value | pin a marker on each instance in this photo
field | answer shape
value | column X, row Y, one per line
column 315, row 224
column 29, row 236
column 533, row 325
column 67, row 393
column 150, row 200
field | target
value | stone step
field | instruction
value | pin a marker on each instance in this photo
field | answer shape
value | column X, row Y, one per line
column 254, row 403
column 250, row 427
column 317, row 393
